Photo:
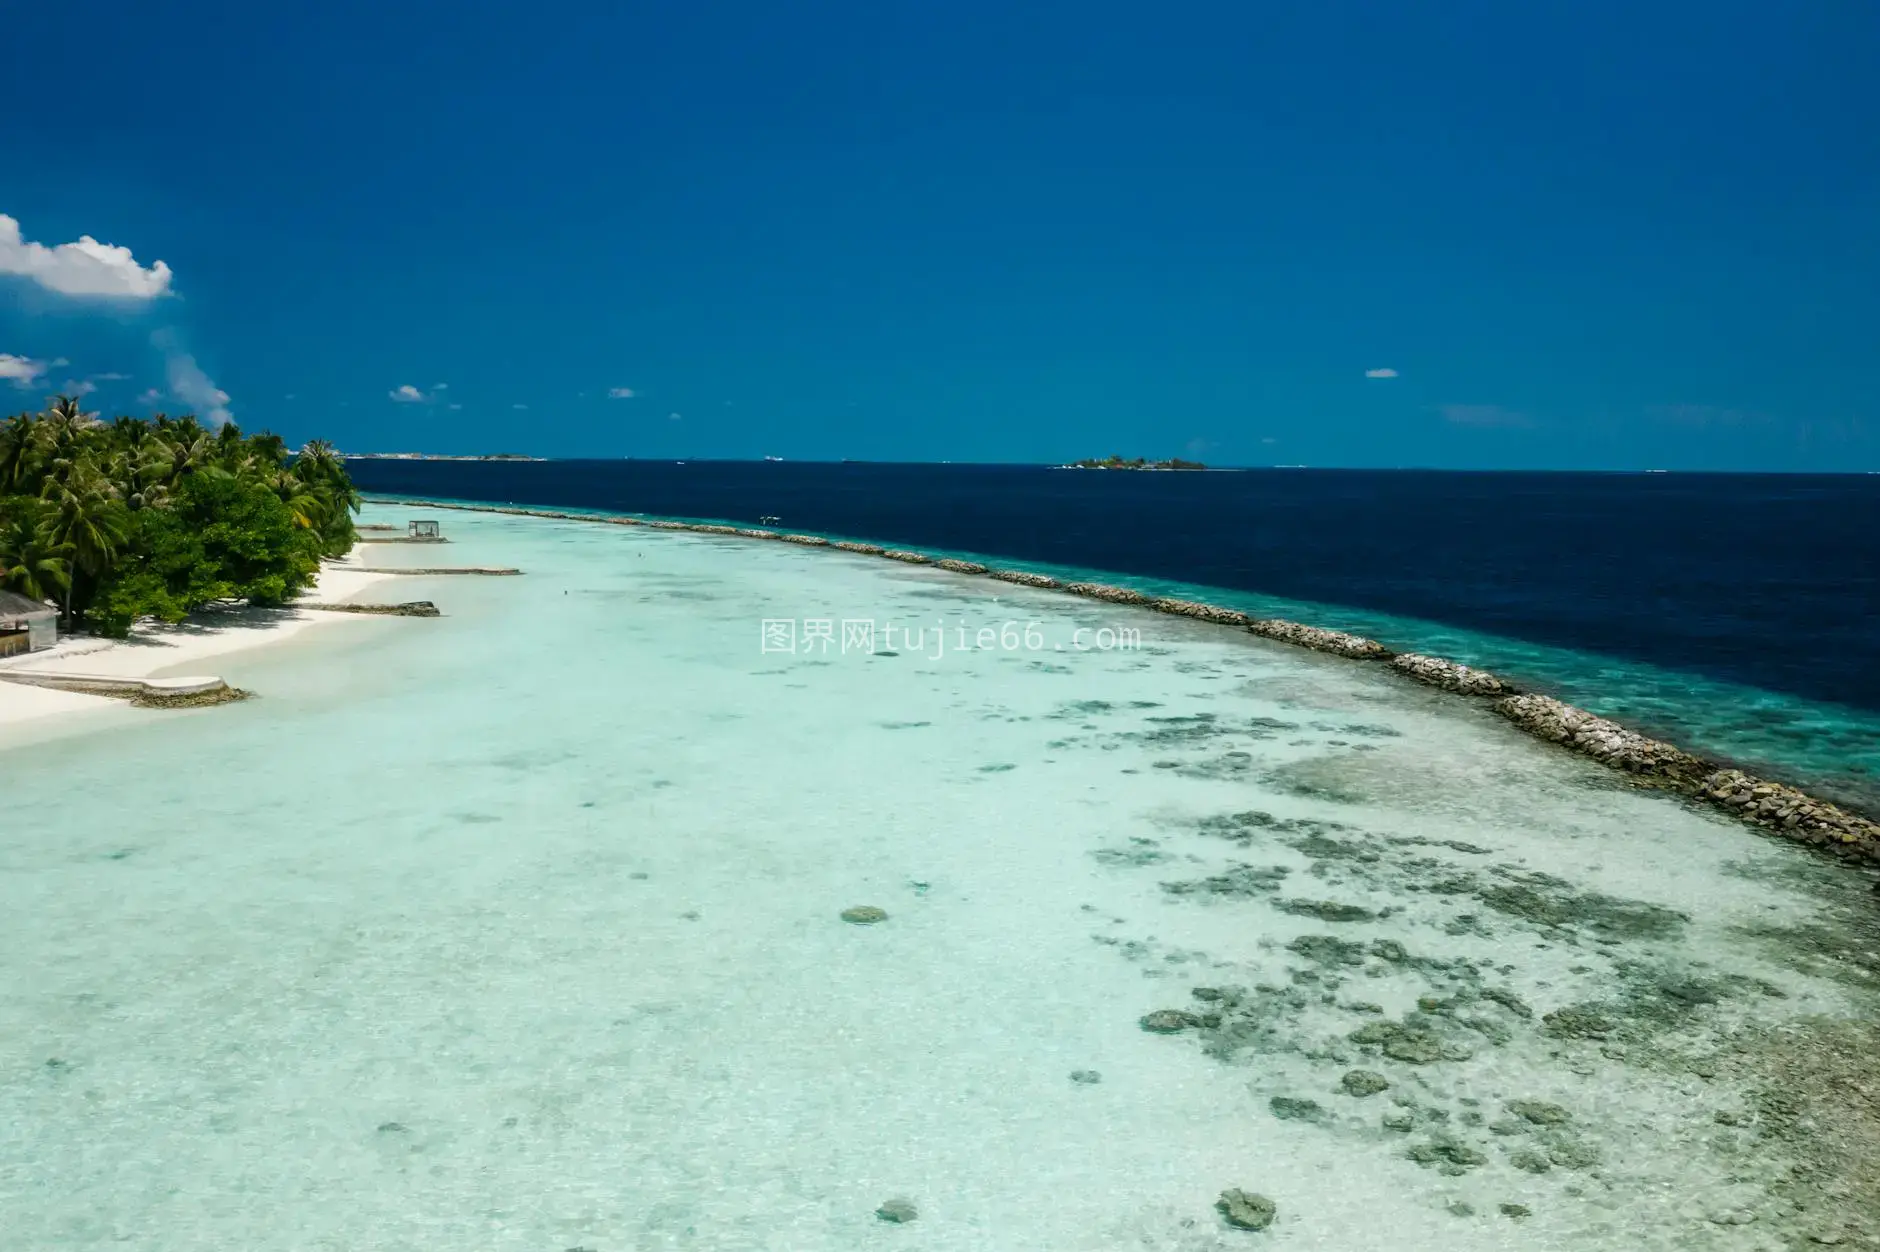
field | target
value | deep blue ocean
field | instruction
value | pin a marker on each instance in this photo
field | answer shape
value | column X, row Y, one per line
column 1738, row 613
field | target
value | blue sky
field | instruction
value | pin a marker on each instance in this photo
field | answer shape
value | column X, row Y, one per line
column 1582, row 234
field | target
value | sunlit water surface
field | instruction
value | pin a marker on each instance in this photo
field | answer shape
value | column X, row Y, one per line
column 520, row 929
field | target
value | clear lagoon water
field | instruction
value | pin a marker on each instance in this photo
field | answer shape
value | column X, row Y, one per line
column 1732, row 613
column 519, row 929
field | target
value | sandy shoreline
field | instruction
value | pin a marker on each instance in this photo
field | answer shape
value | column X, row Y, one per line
column 155, row 648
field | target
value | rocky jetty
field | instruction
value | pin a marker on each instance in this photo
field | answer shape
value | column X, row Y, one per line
column 866, row 549
column 1793, row 813
column 1606, row 742
column 439, row 569
column 808, row 541
column 151, row 699
column 902, row 554
column 1451, row 675
column 709, row 528
column 1024, row 578
column 959, row 567
column 1104, row 591
column 410, row 608
column 669, row 525
column 1318, row 639
column 1204, row 612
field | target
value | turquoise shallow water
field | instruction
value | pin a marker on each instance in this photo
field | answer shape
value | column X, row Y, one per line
column 1831, row 749
column 518, row 929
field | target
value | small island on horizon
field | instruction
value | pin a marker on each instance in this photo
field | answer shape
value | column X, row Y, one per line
column 1137, row 463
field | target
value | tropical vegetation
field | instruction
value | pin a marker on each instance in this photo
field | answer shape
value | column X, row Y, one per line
column 127, row 519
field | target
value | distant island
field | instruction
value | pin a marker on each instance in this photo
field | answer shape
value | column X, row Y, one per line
column 430, row 456
column 1123, row 463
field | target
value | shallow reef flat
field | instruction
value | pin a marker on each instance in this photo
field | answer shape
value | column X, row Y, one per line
column 529, row 932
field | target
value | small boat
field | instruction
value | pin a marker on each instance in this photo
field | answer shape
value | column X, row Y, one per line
column 773, row 458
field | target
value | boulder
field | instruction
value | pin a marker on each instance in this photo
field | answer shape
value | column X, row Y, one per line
column 1246, row 1210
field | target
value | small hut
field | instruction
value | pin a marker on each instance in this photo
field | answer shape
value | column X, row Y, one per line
column 424, row 530
column 26, row 625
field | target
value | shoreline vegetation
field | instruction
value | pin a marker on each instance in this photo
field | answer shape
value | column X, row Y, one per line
column 1770, row 806
column 114, row 522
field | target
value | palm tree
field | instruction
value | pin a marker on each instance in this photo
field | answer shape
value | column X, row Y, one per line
column 29, row 563
column 16, row 452
column 184, row 448
column 86, row 520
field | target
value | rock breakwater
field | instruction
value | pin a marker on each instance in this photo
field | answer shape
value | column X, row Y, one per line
column 1793, row 813
column 1202, row 612
column 1451, row 675
column 1024, row 578
column 1104, row 591
column 1606, row 742
column 1319, row 639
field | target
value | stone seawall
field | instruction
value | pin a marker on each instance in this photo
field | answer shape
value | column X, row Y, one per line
column 1770, row 806
column 1451, row 676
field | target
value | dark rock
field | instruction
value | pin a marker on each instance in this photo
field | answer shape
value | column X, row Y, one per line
column 1168, row 1021
column 1326, row 910
column 864, row 915
column 1363, row 1082
column 1086, row 1076
column 1578, row 1022
column 1293, row 1109
column 1516, row 1210
column 1245, row 1210
column 1445, row 1152
column 897, row 1210
column 1540, row 1112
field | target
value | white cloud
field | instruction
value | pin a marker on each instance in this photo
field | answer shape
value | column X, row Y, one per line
column 112, row 378
column 21, row 371
column 194, row 388
column 152, row 396
column 672, row 417
column 83, row 268
column 456, row 406
column 518, row 406
column 1383, row 373
column 620, row 393
column 77, row 388
column 408, row 394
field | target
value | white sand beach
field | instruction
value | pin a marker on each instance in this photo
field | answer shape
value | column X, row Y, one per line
column 156, row 648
